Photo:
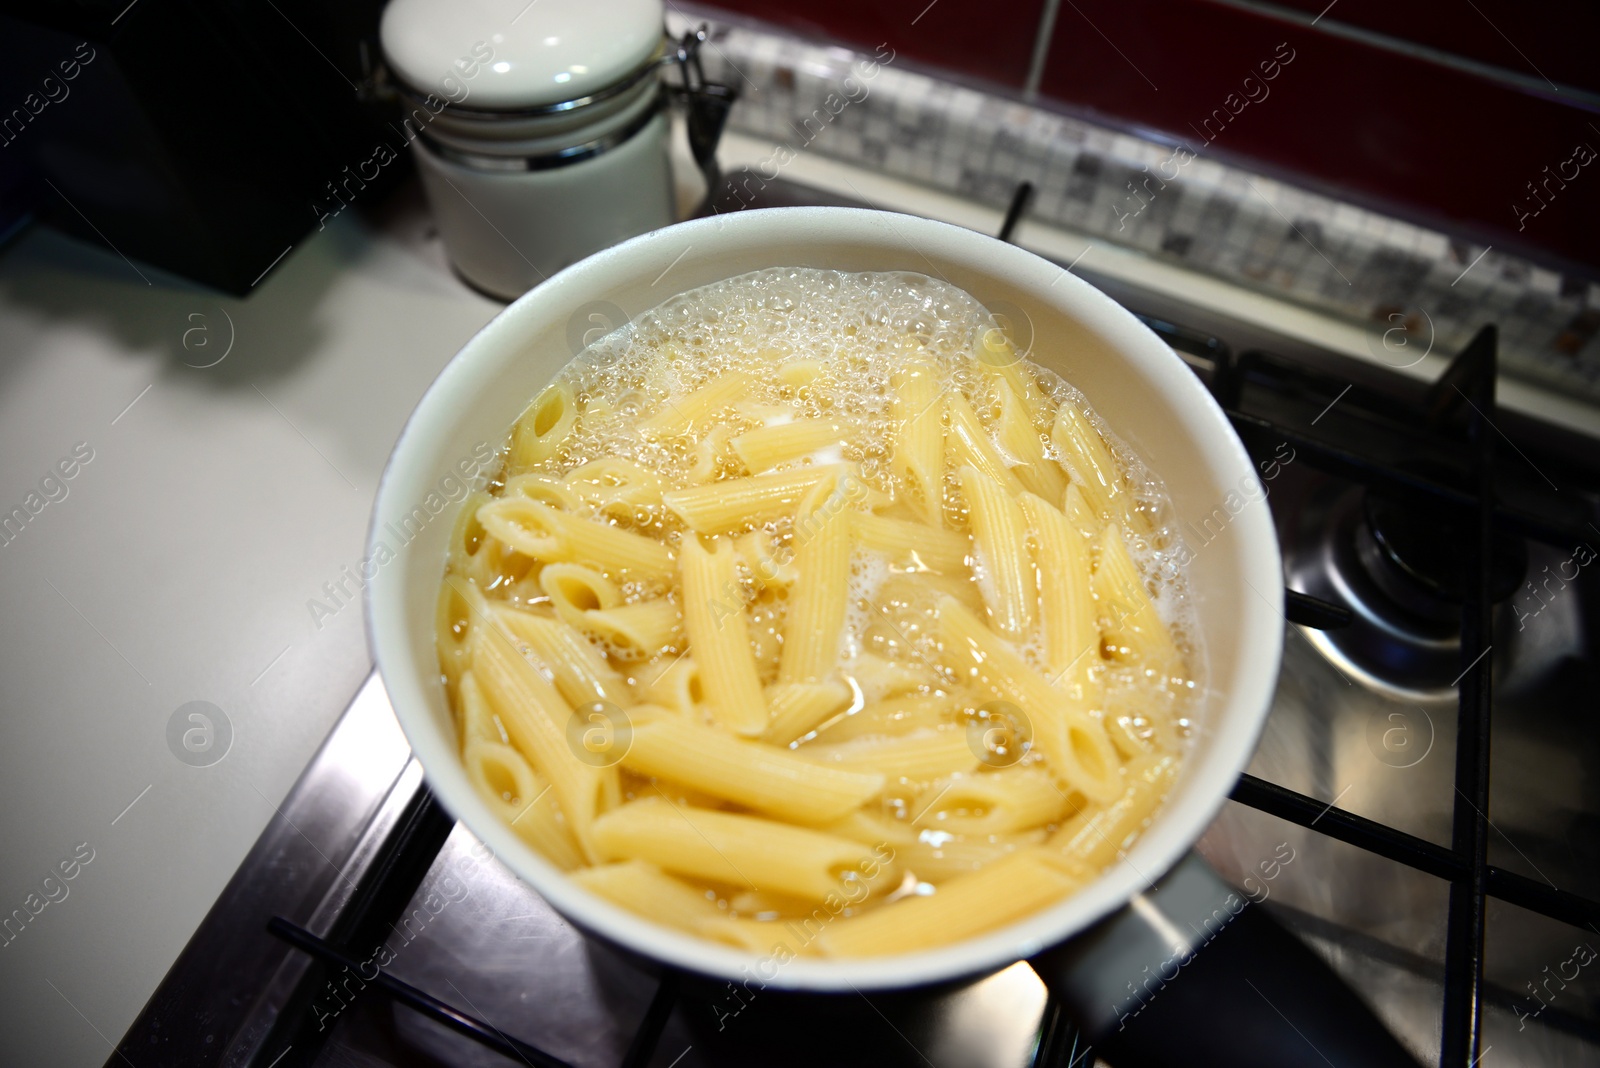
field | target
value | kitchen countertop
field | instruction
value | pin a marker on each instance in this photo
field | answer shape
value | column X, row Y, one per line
column 178, row 568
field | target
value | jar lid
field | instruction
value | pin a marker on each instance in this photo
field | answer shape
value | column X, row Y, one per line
column 500, row 55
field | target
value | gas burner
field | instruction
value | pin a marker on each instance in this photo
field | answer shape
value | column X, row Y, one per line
column 1398, row 564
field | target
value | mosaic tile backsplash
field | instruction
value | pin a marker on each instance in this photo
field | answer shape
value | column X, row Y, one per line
column 1414, row 286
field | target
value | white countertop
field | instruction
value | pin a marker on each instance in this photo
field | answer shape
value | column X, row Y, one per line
column 178, row 568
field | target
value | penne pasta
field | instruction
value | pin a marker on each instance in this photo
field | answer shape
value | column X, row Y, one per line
column 918, row 593
column 675, row 685
column 800, row 373
column 678, row 415
column 619, row 488
column 874, row 828
column 540, row 531
column 468, row 535
column 1073, row 742
column 1009, row 588
column 521, row 524
column 920, row 756
column 745, row 851
column 991, row 897
column 1095, row 470
column 461, row 608
column 824, row 639
column 758, row 554
column 918, row 449
column 912, row 545
column 496, row 567
column 574, row 590
column 1000, row 362
column 581, row 672
column 892, row 716
column 611, row 548
column 761, row 777
column 478, row 721
column 541, row 429
column 513, row 789
column 711, row 455
column 767, row 447
column 800, row 708
column 1090, row 842
column 637, row 631
column 649, row 891
column 535, row 718
column 546, row 489
column 1000, row 802
column 1066, row 598
column 718, row 633
column 878, row 678
column 735, row 503
column 937, row 856
column 1078, row 512
column 817, row 603
column 967, row 445
column 1135, row 630
column 1023, row 446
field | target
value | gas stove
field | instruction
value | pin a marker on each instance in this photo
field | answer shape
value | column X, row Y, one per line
column 1419, row 794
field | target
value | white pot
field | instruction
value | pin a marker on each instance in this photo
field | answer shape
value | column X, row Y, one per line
column 1141, row 388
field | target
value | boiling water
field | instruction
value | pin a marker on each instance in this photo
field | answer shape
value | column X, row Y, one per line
column 859, row 329
column 825, row 345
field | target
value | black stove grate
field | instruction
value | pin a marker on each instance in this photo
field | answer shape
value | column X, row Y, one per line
column 1464, row 392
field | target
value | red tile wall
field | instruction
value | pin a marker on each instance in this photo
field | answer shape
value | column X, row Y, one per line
column 1421, row 140
column 1424, row 141
column 992, row 41
column 1547, row 40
